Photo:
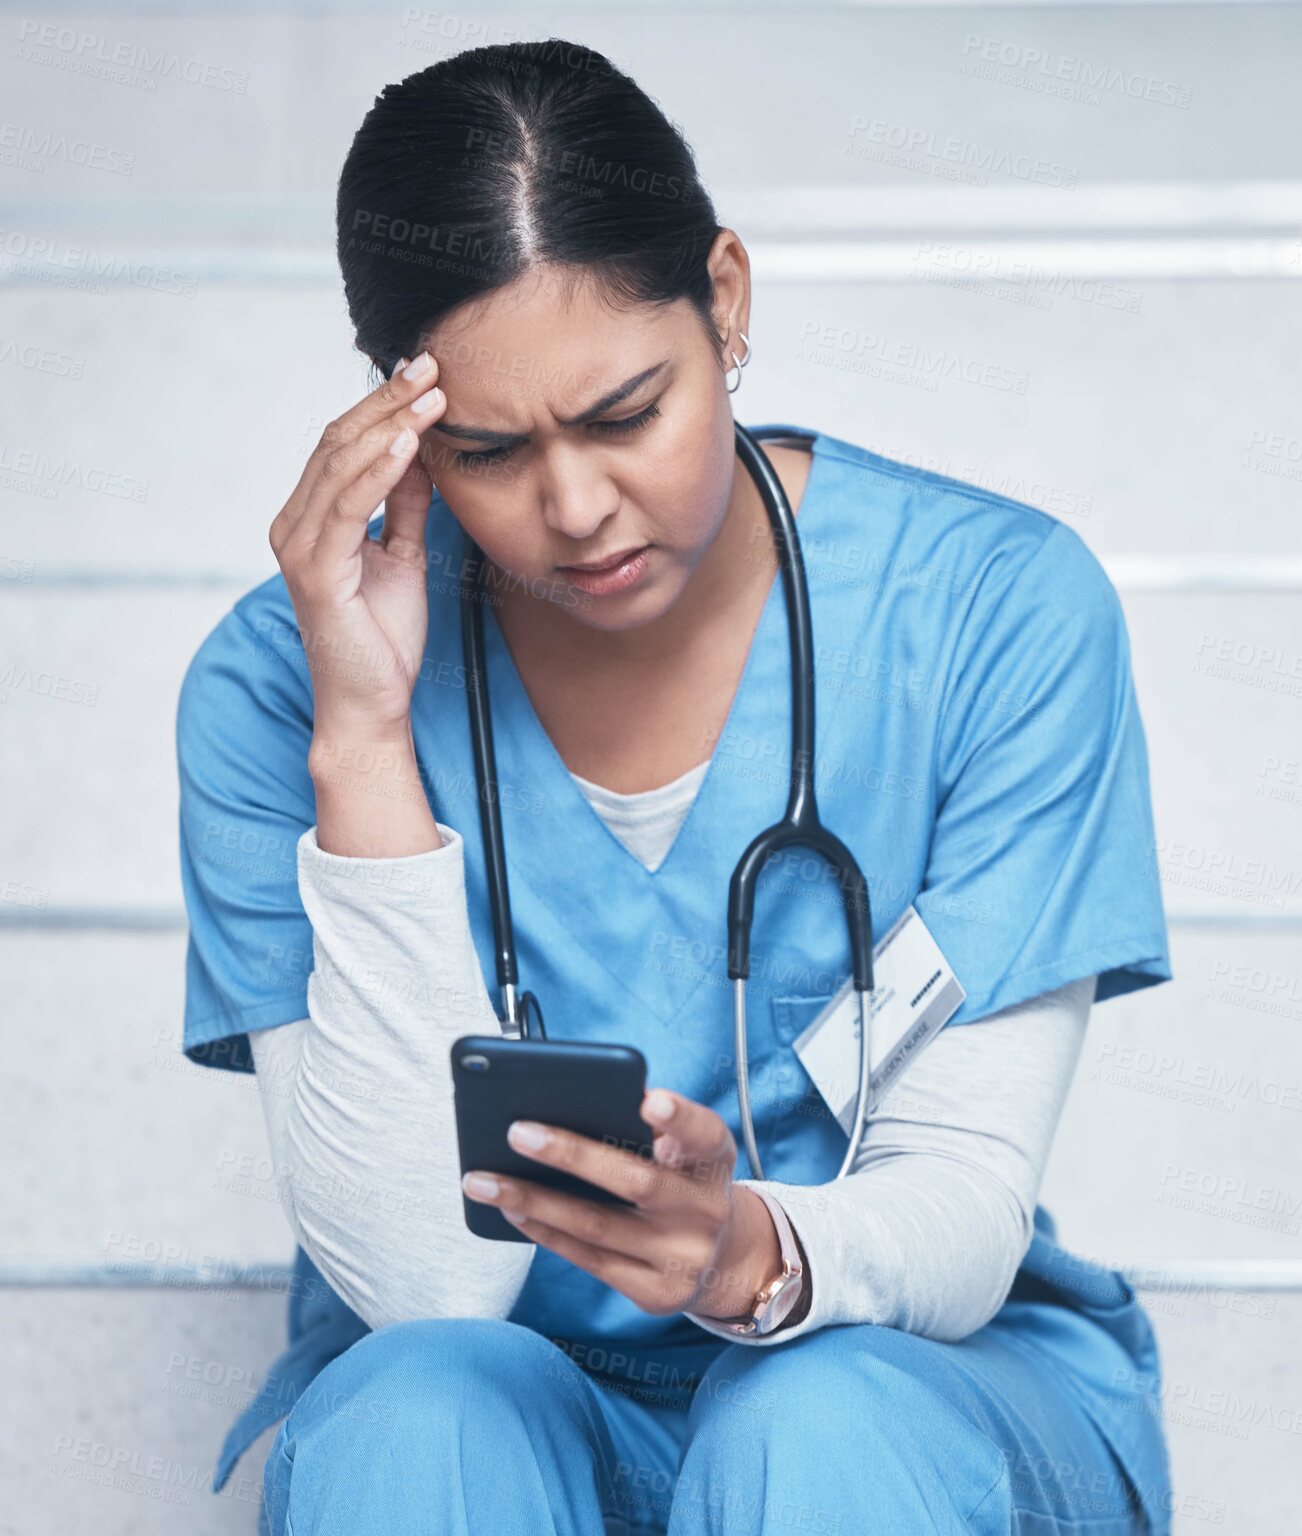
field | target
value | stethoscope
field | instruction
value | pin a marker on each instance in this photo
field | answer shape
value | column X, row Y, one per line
column 800, row 823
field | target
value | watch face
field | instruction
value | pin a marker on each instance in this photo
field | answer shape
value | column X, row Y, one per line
column 781, row 1304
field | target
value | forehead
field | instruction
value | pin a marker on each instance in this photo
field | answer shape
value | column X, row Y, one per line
column 549, row 339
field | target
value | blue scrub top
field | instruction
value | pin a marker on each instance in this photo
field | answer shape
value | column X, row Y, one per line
column 979, row 747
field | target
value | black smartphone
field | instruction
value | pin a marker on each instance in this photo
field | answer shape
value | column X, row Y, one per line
column 596, row 1090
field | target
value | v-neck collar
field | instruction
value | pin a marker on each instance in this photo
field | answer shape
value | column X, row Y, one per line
column 523, row 739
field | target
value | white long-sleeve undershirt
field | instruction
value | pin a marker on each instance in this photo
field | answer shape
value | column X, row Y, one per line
column 926, row 1236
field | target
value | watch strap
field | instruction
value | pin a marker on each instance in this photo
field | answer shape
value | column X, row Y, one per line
column 790, row 1249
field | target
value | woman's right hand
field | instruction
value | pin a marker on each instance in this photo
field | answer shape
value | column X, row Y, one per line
column 361, row 604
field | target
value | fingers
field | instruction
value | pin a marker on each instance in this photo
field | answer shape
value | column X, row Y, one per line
column 620, row 1270
column 591, row 1223
column 362, row 456
column 408, row 502
column 692, row 1136
column 649, row 1249
column 695, row 1163
column 652, row 1256
column 625, row 1249
column 377, row 414
column 617, row 1169
column 405, row 508
column 379, row 465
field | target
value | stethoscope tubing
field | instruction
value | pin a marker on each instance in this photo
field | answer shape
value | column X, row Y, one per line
column 522, row 1015
column 800, row 823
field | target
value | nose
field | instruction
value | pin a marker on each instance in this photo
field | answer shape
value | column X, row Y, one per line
column 577, row 495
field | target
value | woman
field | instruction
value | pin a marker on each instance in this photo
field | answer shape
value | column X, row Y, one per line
column 533, row 267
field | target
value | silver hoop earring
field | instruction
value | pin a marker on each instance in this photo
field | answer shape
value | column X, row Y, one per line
column 739, row 363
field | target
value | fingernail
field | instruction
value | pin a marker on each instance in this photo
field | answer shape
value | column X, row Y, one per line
column 399, row 366
column 427, row 401
column 402, row 443
column 417, row 366
column 659, row 1105
column 525, row 1136
column 480, row 1184
column 516, row 1218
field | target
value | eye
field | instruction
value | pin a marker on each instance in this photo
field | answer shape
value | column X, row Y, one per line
column 635, row 423
column 644, row 418
column 486, row 456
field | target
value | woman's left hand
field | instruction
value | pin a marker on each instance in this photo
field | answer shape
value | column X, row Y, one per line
column 692, row 1241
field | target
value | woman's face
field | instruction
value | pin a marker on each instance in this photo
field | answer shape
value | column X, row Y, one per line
column 653, row 467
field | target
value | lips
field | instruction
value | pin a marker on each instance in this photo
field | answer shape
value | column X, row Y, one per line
column 621, row 574
column 609, row 563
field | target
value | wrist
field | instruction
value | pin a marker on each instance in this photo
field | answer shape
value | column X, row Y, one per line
column 370, row 797
column 335, row 739
column 751, row 1258
column 364, row 765
column 782, row 1292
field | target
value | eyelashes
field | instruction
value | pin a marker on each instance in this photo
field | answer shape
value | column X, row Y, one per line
column 629, row 424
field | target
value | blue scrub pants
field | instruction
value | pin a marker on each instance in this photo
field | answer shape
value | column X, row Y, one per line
column 467, row 1426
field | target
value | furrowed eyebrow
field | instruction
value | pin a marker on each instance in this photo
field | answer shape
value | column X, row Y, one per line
column 508, row 439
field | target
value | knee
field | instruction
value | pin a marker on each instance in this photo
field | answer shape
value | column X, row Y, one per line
column 409, row 1414
column 406, row 1374
column 814, row 1381
column 853, row 1428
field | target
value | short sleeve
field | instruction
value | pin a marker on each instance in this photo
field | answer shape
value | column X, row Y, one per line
column 243, row 729
column 1041, row 868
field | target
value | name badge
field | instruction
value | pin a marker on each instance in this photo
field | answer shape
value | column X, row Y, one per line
column 915, row 994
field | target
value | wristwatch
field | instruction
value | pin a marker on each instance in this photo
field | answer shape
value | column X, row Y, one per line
column 775, row 1300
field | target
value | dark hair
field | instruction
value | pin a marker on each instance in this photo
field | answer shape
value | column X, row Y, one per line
column 505, row 158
